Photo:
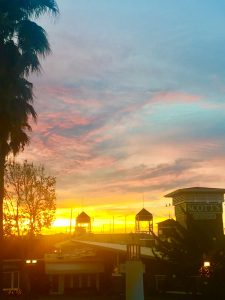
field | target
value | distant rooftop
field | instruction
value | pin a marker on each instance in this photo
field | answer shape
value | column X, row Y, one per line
column 196, row 190
column 83, row 218
column 144, row 215
column 145, row 251
column 167, row 222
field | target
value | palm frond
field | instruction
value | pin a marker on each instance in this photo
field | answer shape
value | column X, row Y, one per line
column 36, row 8
column 33, row 38
column 18, row 140
column 30, row 63
column 32, row 42
column 22, row 42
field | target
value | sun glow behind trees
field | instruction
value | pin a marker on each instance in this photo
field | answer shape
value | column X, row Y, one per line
column 30, row 200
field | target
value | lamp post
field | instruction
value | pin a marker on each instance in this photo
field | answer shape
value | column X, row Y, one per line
column 207, row 264
column 134, row 270
column 206, row 269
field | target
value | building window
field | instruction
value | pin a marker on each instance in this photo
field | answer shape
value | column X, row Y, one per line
column 7, row 280
column 54, row 283
column 11, row 280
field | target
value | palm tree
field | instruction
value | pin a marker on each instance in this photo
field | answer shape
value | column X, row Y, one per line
column 22, row 43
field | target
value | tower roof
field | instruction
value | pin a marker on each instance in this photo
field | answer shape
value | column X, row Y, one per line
column 167, row 222
column 144, row 215
column 196, row 190
column 83, row 218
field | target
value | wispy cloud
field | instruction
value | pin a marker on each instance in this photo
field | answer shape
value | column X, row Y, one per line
column 131, row 100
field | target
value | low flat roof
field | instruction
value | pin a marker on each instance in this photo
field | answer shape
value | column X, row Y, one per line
column 196, row 190
column 145, row 251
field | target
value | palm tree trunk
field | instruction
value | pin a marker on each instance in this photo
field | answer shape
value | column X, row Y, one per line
column 2, row 168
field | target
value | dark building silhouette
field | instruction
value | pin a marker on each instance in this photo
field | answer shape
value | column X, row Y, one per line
column 74, row 268
column 83, row 223
column 201, row 208
column 144, row 222
column 166, row 228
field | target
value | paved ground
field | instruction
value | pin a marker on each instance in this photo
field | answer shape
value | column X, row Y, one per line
column 112, row 297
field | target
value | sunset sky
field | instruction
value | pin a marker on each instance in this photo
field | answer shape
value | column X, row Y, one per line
column 131, row 104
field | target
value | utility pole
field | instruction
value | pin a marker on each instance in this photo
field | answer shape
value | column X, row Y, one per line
column 71, row 215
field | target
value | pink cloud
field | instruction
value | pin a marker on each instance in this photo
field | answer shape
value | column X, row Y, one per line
column 175, row 97
column 69, row 96
column 56, row 122
column 161, row 97
column 70, row 136
column 62, row 120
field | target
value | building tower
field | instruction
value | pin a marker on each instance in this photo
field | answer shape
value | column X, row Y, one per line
column 144, row 222
column 83, row 223
column 200, row 207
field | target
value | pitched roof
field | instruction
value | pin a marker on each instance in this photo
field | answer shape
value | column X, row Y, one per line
column 83, row 218
column 167, row 222
column 196, row 190
column 144, row 215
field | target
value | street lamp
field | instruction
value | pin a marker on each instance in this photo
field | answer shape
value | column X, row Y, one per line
column 207, row 264
column 31, row 261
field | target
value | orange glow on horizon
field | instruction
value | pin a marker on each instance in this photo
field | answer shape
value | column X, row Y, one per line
column 107, row 219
